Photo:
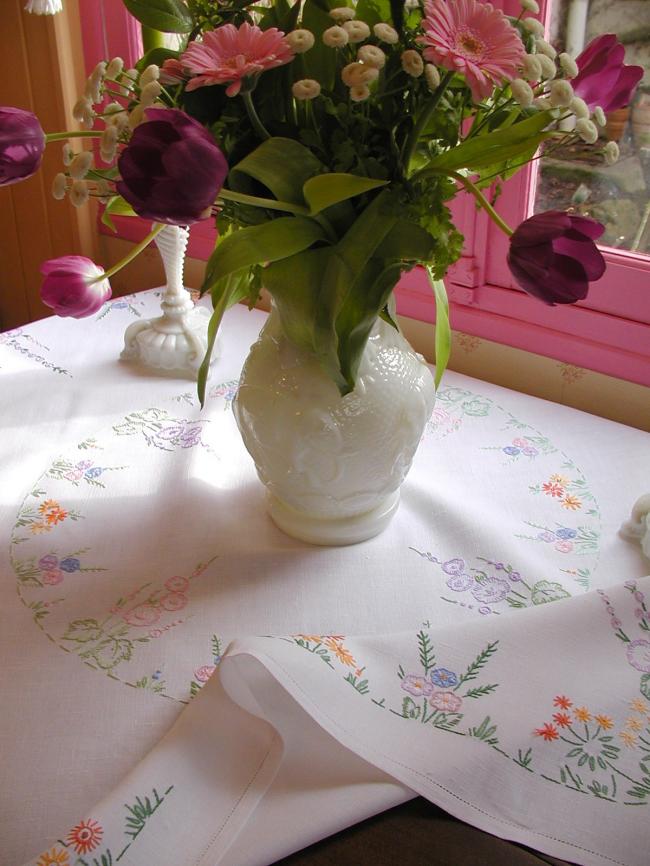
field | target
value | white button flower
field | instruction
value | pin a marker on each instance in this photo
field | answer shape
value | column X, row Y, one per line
column 587, row 130
column 80, row 165
column 59, row 186
column 151, row 73
column 386, row 33
column 547, row 66
column 306, row 88
column 357, row 30
column 522, row 92
column 611, row 152
column 561, row 94
column 300, row 40
column 359, row 93
column 533, row 26
column 412, row 63
column 335, row 37
column 357, row 74
column 372, row 56
column 579, row 107
column 342, row 13
column 568, row 65
column 598, row 116
column 532, row 68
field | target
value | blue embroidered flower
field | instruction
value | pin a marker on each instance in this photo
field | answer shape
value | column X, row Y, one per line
column 444, row 678
column 511, row 450
column 454, row 566
column 95, row 472
column 70, row 564
column 565, row 533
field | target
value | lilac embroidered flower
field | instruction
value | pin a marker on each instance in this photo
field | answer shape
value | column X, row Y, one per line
column 616, row 623
column 190, row 437
column 514, row 576
column 460, row 582
column 638, row 655
column 454, row 566
column 511, row 450
column 70, row 564
column 492, row 589
column 444, row 678
column 548, row 537
column 565, row 533
column 447, row 702
column 639, row 613
column 416, row 685
column 484, row 610
column 48, row 562
column 529, row 451
column 638, row 596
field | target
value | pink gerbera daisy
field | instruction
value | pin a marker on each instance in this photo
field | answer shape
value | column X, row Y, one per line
column 231, row 54
column 474, row 39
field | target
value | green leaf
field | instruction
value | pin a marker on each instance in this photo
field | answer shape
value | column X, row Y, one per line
column 157, row 56
column 544, row 591
column 111, row 652
column 324, row 190
column 116, row 206
column 282, row 165
column 83, row 630
column 495, row 147
column 407, row 241
column 169, row 16
column 645, row 686
column 443, row 328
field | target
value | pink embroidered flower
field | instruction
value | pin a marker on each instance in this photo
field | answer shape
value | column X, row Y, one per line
column 204, row 673
column 474, row 39
column 173, row 601
column 86, row 836
column 142, row 614
column 52, row 576
column 564, row 546
column 416, row 685
column 177, row 583
column 228, row 54
column 447, row 702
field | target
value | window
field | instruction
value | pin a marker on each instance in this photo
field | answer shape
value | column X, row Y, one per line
column 608, row 332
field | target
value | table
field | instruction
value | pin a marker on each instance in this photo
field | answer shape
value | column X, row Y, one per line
column 182, row 683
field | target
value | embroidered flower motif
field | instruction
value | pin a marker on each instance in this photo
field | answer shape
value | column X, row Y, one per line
column 562, row 719
column 52, row 577
column 628, row 738
column 571, row 502
column 454, row 566
column 48, row 562
column 565, row 533
column 444, row 678
column 173, row 601
column 460, row 582
column 559, row 479
column 493, row 589
column 582, row 714
column 638, row 655
column 474, row 39
column 634, row 724
column 446, row 702
column 511, row 450
column 547, row 731
column 638, row 705
column 70, row 564
column 343, row 655
column 564, row 546
column 85, row 837
column 228, row 54
column 604, row 721
column 143, row 615
column 177, row 583
column 546, row 536
column 416, row 685
column 204, row 673
column 54, row 857
column 562, row 701
column 551, row 488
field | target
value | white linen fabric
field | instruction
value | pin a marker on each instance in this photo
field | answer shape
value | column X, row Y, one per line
column 490, row 650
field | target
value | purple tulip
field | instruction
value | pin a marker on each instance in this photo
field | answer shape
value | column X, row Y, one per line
column 553, row 256
column 22, row 142
column 603, row 78
column 171, row 169
column 72, row 288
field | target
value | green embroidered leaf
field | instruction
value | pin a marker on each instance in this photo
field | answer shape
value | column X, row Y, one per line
column 645, row 686
column 111, row 652
column 410, row 709
column 325, row 190
column 544, row 591
column 169, row 16
column 427, row 654
column 282, row 165
column 83, row 630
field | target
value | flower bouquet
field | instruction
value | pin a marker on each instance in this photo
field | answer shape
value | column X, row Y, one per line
column 326, row 143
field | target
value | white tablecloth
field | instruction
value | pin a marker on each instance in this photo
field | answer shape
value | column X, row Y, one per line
column 183, row 684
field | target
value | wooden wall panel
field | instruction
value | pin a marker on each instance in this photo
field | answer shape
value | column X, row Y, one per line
column 41, row 70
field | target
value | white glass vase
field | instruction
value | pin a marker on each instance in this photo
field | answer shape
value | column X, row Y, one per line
column 332, row 466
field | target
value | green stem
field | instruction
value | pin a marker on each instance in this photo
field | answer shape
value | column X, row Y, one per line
column 152, row 38
column 132, row 255
column 476, row 192
column 257, row 124
column 61, row 136
column 269, row 203
column 424, row 118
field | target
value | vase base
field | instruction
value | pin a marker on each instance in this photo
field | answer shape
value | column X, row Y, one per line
column 333, row 531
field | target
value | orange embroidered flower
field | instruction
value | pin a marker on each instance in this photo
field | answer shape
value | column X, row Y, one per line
column 571, row 502
column 35, row 528
column 562, row 701
column 56, row 515
column 634, row 724
column 559, row 479
column 628, row 738
column 562, row 719
column 55, row 857
column 638, row 705
column 548, row 731
column 605, row 722
column 44, row 507
column 582, row 714
column 86, row 836
column 551, row 489
column 310, row 637
column 343, row 655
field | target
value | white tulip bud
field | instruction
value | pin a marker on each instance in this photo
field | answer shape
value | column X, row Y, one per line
column 522, row 92
column 68, row 153
column 532, row 68
column 150, row 93
column 412, row 63
column 79, row 193
column 335, row 37
column 587, row 130
column 307, row 88
column 561, row 94
column 372, row 56
column 80, row 165
column 533, row 26
column 530, row 6
column 386, row 33
column 598, row 116
column 59, row 186
column 357, row 30
column 359, row 93
column 300, row 40
column 151, row 73
column 342, row 13
column 432, row 76
column 579, row 107
column 611, row 152
column 115, row 67
column 568, row 64
column 547, row 66
column 544, row 47
column 356, row 74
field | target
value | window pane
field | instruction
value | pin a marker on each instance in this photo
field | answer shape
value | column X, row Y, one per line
column 575, row 175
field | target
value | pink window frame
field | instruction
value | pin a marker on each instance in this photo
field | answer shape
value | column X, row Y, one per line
column 609, row 333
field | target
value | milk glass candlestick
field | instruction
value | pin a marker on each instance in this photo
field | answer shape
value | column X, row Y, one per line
column 175, row 342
